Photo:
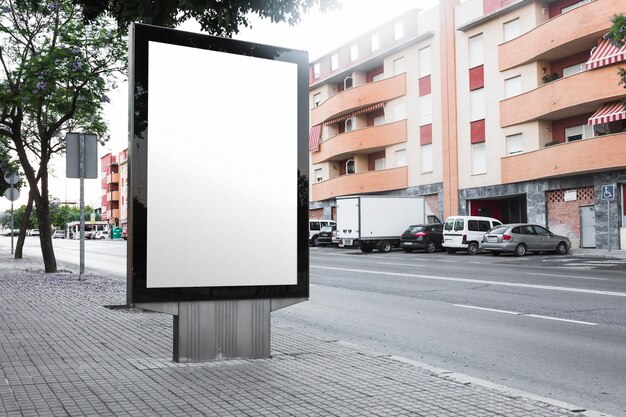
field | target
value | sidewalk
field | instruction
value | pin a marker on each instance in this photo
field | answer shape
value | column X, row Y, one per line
column 63, row 353
column 600, row 253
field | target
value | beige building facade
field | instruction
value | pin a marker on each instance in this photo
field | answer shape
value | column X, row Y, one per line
column 501, row 108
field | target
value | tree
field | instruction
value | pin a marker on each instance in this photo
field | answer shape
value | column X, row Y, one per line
column 218, row 17
column 617, row 36
column 56, row 70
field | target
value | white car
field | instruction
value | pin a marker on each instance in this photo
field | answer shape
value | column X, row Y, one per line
column 466, row 233
column 58, row 234
column 100, row 234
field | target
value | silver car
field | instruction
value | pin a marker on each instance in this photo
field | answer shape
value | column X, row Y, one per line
column 520, row 238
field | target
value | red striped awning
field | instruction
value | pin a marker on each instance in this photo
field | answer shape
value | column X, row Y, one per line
column 315, row 134
column 362, row 110
column 605, row 54
column 609, row 112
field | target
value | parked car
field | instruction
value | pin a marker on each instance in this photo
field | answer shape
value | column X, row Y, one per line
column 34, row 232
column 315, row 227
column 466, row 233
column 521, row 238
column 125, row 234
column 100, row 234
column 428, row 237
column 328, row 236
column 58, row 234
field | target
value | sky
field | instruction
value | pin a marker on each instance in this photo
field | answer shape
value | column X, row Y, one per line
column 317, row 33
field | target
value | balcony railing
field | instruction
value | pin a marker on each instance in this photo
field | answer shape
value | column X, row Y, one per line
column 582, row 156
column 371, row 138
column 357, row 97
column 363, row 182
column 565, row 97
column 562, row 35
column 113, row 196
column 113, row 178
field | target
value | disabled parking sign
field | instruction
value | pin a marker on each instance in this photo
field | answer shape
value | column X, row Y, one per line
column 608, row 192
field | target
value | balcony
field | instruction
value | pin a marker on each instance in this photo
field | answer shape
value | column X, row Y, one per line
column 363, row 182
column 583, row 156
column 371, row 139
column 114, row 214
column 113, row 196
column 574, row 31
column 113, row 178
column 357, row 97
column 564, row 97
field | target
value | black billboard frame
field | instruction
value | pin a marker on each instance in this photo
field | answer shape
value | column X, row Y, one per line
column 137, row 291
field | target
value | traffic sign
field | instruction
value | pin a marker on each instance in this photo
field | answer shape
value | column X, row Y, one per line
column 608, row 192
column 12, row 194
column 11, row 178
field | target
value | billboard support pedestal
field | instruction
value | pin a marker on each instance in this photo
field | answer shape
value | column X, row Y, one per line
column 220, row 330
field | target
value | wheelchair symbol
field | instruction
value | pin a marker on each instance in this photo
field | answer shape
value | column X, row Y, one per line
column 607, row 192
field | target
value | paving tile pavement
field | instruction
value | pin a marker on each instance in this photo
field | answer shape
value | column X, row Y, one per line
column 62, row 353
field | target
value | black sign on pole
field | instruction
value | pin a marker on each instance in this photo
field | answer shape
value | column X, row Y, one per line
column 72, row 155
column 608, row 192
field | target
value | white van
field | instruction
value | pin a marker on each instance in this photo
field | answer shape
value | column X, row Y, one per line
column 466, row 232
column 315, row 226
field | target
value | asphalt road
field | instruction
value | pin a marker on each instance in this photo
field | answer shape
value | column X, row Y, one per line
column 552, row 326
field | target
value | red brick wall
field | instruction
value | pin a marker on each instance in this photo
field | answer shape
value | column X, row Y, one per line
column 558, row 65
column 492, row 5
column 555, row 8
column 316, row 214
column 559, row 126
column 564, row 216
column 432, row 204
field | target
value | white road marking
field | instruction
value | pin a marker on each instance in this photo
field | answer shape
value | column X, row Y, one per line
column 397, row 264
column 566, row 276
column 537, row 316
column 475, row 281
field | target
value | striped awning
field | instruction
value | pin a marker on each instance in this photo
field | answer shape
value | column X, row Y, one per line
column 315, row 134
column 362, row 110
column 609, row 112
column 605, row 54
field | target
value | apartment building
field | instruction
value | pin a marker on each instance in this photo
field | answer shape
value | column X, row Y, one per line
column 372, row 124
column 526, row 122
column 113, row 207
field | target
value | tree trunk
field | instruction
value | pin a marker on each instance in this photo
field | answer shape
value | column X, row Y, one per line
column 22, row 237
column 45, row 235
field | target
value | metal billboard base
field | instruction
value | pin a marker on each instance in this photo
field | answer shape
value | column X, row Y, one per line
column 220, row 330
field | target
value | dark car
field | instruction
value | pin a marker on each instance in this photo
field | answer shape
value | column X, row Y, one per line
column 328, row 236
column 426, row 237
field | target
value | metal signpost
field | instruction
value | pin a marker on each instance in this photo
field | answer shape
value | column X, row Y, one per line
column 608, row 193
column 81, row 162
column 12, row 194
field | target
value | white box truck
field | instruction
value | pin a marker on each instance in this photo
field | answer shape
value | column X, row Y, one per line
column 376, row 222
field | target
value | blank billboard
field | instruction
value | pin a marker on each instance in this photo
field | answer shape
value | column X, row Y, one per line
column 218, row 162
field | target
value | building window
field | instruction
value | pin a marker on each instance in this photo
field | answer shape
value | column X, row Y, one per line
column 317, row 99
column 378, row 77
column 398, row 66
column 379, row 120
column 479, row 158
column 511, row 30
column 426, row 110
column 349, row 124
column 514, row 144
column 318, row 175
column 574, row 69
column 476, row 51
column 347, row 83
column 379, row 164
column 574, row 6
column 513, row 86
column 575, row 133
column 350, row 166
column 399, row 112
column 401, row 158
column 477, row 104
column 427, row 158
column 375, row 42
column 334, row 62
column 316, row 70
column 354, row 52
column 424, row 61
column 399, row 30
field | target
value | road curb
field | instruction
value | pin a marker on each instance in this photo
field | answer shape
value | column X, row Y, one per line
column 503, row 389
